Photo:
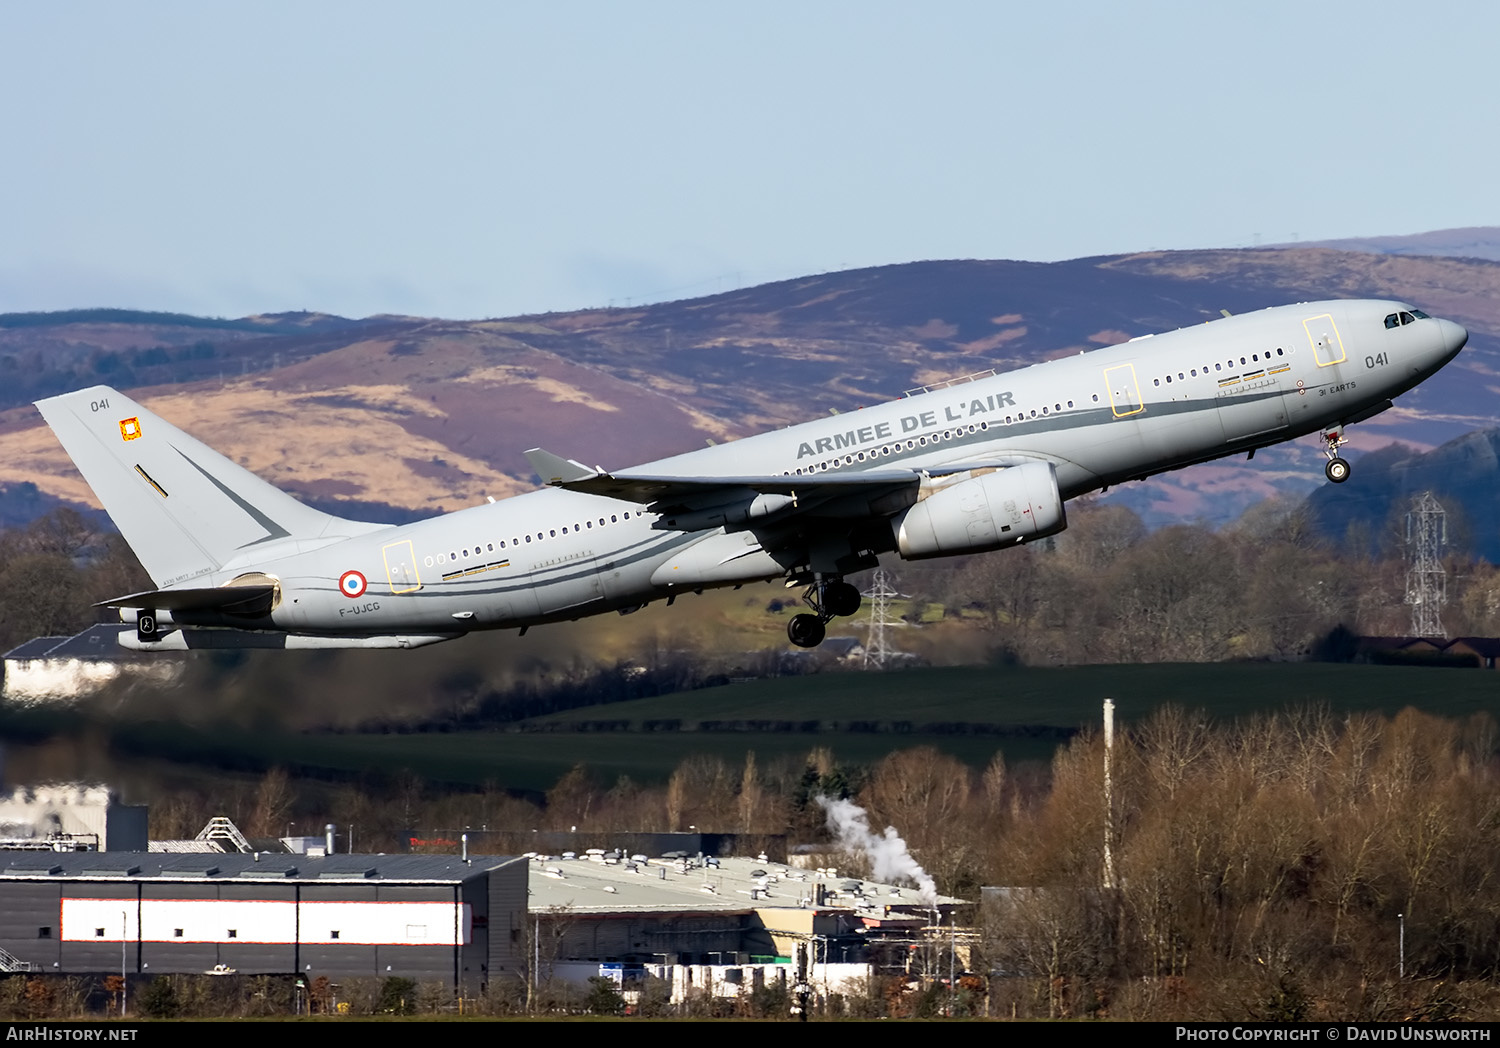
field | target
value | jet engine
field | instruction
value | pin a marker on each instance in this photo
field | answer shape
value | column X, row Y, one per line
column 988, row 512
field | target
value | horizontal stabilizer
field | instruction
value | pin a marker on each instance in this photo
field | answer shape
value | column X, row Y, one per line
column 195, row 640
column 231, row 600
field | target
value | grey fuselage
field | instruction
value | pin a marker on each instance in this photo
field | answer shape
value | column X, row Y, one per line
column 1102, row 417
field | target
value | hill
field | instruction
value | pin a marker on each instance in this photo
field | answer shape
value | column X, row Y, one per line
column 401, row 416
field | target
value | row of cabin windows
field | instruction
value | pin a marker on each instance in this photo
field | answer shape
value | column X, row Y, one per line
column 541, row 536
column 890, row 449
column 913, row 443
column 1193, row 372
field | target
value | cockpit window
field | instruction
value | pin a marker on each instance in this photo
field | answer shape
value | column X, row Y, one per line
column 1404, row 317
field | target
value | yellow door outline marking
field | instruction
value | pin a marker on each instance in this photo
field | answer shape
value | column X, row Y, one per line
column 1329, row 348
column 395, row 572
column 1128, row 387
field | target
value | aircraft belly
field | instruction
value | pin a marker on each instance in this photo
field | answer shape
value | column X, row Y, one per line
column 1098, row 452
column 1252, row 413
column 1184, row 435
column 566, row 587
column 718, row 558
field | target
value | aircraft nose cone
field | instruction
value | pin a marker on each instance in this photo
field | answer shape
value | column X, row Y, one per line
column 1454, row 336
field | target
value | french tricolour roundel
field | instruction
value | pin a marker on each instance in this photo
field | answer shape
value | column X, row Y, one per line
column 352, row 584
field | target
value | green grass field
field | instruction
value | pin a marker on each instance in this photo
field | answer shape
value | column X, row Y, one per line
column 968, row 712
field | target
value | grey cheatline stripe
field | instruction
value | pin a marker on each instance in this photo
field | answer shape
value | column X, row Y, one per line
column 645, row 550
column 273, row 529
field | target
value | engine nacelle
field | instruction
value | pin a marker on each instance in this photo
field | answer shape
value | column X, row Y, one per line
column 988, row 512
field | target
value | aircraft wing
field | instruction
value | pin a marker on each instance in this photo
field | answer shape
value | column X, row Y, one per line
column 670, row 493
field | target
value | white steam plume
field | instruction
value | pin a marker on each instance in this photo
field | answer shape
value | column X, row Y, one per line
column 889, row 859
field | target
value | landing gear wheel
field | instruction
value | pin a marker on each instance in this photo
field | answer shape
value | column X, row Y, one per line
column 840, row 598
column 1337, row 470
column 805, row 631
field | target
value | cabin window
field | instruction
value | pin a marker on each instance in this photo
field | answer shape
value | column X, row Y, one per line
column 614, row 519
column 552, row 532
column 528, row 538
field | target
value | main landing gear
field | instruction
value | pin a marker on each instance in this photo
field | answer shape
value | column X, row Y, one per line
column 1337, row 469
column 829, row 598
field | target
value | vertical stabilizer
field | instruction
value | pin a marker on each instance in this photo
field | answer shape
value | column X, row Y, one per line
column 185, row 509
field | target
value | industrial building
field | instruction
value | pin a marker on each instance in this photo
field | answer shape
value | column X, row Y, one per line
column 726, row 926
column 427, row 917
column 65, row 817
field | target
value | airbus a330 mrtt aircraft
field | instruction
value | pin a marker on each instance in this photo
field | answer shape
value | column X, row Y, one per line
column 973, row 465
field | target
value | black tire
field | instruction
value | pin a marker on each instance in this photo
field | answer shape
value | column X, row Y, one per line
column 1337, row 470
column 840, row 598
column 805, row 631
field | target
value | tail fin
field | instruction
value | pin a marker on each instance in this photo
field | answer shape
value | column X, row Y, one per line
column 185, row 509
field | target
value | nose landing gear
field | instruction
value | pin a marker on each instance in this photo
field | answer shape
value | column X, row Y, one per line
column 1337, row 469
column 829, row 598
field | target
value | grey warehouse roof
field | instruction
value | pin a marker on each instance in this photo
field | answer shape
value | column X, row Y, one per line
column 594, row 884
column 279, row 867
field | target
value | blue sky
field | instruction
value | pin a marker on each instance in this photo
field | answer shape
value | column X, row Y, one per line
column 487, row 159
